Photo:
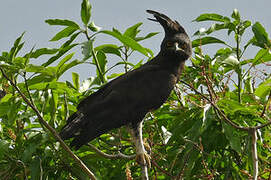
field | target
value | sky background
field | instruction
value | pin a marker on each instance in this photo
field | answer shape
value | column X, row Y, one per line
column 17, row 16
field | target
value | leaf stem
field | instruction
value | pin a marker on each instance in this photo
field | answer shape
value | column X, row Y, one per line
column 238, row 39
column 97, row 63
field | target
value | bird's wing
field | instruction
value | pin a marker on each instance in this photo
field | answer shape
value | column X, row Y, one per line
column 133, row 86
column 124, row 100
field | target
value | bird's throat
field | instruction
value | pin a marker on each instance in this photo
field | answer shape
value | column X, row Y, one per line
column 178, row 68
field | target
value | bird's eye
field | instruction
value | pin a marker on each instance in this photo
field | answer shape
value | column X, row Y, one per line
column 183, row 46
column 169, row 44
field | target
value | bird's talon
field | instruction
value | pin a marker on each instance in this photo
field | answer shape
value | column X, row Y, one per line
column 144, row 159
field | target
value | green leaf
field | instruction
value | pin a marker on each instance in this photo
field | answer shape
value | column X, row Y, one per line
column 231, row 61
column 86, row 49
column 206, row 40
column 261, row 36
column 62, row 22
column 236, row 15
column 4, row 108
column 150, row 52
column 35, row 168
column 66, row 67
column 263, row 89
column 64, row 33
column 59, row 87
column 214, row 27
column 29, row 150
column 19, row 62
column 86, row 84
column 85, row 11
column 212, row 17
column 64, row 60
column 5, row 98
column 76, row 81
column 63, row 49
column 39, row 52
column 48, row 71
column 147, row 36
column 34, row 68
column 93, row 27
column 109, row 48
column 133, row 30
column 232, row 137
column 40, row 78
column 4, row 146
column 102, row 61
column 262, row 56
column 243, row 26
column 16, row 47
column 127, row 41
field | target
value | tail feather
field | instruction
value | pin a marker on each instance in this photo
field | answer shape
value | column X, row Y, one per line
column 86, row 135
column 73, row 126
column 86, row 127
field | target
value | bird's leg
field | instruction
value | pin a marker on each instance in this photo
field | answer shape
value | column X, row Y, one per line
column 142, row 156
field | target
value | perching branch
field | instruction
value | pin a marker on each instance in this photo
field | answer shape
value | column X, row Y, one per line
column 253, row 133
column 52, row 130
column 144, row 172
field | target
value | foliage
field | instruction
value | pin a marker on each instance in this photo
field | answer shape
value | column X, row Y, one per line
column 203, row 131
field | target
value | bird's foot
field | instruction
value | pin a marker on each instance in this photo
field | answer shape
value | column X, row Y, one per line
column 143, row 159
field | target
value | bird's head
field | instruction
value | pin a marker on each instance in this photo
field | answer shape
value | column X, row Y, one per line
column 176, row 41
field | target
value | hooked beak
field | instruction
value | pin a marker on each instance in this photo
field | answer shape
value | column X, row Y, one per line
column 177, row 48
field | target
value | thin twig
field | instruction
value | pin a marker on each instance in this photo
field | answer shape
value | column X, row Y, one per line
column 52, row 130
column 27, row 88
column 217, row 108
column 238, row 40
column 161, row 169
column 263, row 125
column 111, row 156
column 66, row 107
column 267, row 102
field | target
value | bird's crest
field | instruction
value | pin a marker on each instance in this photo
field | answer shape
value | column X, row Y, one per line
column 170, row 26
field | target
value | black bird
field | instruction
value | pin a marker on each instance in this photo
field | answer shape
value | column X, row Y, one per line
column 128, row 98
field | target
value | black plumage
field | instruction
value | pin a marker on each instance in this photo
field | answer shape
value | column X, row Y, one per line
column 128, row 98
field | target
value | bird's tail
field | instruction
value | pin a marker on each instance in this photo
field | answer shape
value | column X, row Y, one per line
column 72, row 127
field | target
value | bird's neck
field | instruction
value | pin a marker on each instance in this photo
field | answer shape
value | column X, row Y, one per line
column 175, row 65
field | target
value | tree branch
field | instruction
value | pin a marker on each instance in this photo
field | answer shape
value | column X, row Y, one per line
column 52, row 130
column 253, row 133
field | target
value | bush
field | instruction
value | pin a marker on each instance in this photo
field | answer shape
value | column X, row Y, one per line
column 214, row 125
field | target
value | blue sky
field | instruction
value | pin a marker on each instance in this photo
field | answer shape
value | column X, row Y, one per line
column 29, row 15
